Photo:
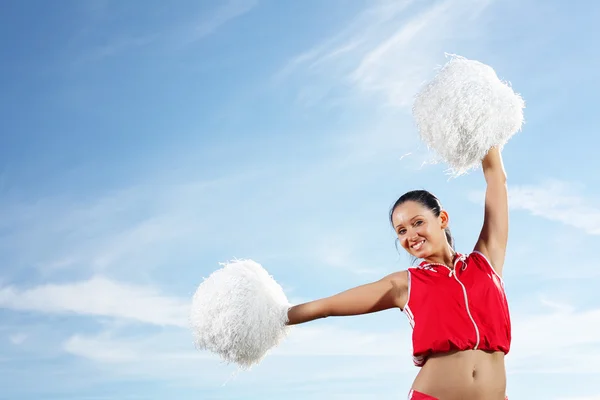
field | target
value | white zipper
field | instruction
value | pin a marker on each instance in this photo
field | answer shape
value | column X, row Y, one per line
column 468, row 310
column 453, row 272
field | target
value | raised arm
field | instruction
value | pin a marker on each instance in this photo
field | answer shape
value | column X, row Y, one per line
column 494, row 234
column 388, row 292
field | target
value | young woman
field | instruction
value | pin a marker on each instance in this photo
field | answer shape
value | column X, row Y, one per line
column 455, row 303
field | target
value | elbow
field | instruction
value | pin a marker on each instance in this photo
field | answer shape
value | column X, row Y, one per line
column 502, row 178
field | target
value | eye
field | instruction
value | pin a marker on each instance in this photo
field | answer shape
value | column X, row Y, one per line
column 401, row 231
column 418, row 222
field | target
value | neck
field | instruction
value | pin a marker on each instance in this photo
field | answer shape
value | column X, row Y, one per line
column 446, row 257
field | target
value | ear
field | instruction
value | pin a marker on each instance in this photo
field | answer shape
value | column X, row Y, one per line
column 444, row 218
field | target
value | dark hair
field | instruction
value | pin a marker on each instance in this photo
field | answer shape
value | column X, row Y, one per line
column 426, row 199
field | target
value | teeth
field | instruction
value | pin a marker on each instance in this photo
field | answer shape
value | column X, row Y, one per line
column 417, row 246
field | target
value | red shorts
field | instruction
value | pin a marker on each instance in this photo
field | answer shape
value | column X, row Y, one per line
column 414, row 395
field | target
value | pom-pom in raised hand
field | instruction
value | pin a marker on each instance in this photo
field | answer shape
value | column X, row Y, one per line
column 239, row 312
column 466, row 110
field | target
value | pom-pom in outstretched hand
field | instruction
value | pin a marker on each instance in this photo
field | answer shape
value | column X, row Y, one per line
column 466, row 110
column 239, row 312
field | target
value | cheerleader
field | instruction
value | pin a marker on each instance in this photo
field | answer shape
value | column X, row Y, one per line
column 454, row 302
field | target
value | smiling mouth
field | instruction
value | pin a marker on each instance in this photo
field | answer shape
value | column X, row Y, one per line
column 418, row 245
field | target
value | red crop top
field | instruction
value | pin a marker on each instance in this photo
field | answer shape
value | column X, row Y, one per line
column 460, row 309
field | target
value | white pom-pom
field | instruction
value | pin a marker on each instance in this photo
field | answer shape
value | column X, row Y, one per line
column 239, row 312
column 466, row 110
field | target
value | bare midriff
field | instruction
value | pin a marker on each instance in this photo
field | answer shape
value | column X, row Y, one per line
column 464, row 375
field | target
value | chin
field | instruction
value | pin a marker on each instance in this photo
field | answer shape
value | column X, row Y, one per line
column 418, row 254
column 424, row 254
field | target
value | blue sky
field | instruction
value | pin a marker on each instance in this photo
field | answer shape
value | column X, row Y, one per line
column 141, row 144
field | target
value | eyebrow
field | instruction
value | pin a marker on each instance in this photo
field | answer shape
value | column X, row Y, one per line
column 416, row 216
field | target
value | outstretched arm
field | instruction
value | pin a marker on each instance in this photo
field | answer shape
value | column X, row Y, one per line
column 494, row 234
column 386, row 293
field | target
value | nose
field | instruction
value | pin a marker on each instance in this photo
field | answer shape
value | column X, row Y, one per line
column 412, row 235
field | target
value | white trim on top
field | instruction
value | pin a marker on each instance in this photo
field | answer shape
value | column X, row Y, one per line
column 490, row 265
column 406, row 309
column 409, row 287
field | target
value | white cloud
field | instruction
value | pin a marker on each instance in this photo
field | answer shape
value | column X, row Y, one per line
column 312, row 354
column 558, row 307
column 168, row 355
column 581, row 398
column 107, row 348
column 18, row 338
column 100, row 349
column 331, row 340
column 99, row 297
column 342, row 250
column 391, row 68
column 205, row 25
column 566, row 340
column 227, row 11
column 558, row 201
column 133, row 243
column 129, row 234
column 389, row 49
column 136, row 228
column 563, row 340
column 317, row 339
column 116, row 46
column 378, row 62
column 360, row 31
column 553, row 200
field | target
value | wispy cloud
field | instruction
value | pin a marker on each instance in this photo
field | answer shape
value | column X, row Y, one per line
column 226, row 12
column 108, row 348
column 18, row 339
column 328, row 339
column 164, row 355
column 597, row 397
column 316, row 353
column 99, row 297
column 558, row 201
column 128, row 234
column 387, row 50
column 376, row 64
column 343, row 251
column 100, row 350
column 117, row 46
column 170, row 33
column 322, row 340
column 321, row 349
column 117, row 231
column 554, row 200
column 358, row 32
column 572, row 334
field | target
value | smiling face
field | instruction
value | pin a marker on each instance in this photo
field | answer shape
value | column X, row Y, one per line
column 419, row 231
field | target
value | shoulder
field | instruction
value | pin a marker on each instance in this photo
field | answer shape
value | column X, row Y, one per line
column 482, row 261
column 398, row 278
column 398, row 282
column 478, row 257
